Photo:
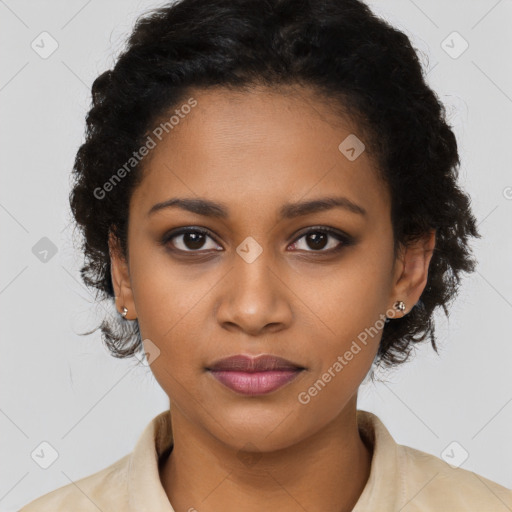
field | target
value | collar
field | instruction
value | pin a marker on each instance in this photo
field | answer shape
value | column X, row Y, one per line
column 146, row 493
column 385, row 488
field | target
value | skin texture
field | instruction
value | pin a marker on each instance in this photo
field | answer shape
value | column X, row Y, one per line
column 255, row 151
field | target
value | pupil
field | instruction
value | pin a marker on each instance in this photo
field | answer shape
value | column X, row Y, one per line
column 193, row 240
column 319, row 240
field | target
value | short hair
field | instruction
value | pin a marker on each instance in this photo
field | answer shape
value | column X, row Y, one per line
column 355, row 61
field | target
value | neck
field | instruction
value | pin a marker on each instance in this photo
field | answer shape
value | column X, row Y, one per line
column 326, row 471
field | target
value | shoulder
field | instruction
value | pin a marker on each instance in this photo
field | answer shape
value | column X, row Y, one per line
column 410, row 480
column 132, row 483
column 430, row 483
column 104, row 490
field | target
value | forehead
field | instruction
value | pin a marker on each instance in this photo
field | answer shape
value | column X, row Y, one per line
column 259, row 147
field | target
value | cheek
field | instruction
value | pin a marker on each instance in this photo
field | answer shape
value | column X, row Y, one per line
column 173, row 331
column 342, row 360
column 349, row 309
column 165, row 293
column 170, row 310
column 168, row 317
column 347, row 298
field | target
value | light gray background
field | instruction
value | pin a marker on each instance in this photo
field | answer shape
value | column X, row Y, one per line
column 65, row 389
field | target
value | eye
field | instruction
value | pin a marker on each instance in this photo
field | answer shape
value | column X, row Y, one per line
column 190, row 239
column 317, row 239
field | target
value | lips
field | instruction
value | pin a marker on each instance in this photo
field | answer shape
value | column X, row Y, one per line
column 259, row 375
column 260, row 363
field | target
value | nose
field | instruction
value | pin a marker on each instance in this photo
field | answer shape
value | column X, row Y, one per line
column 256, row 299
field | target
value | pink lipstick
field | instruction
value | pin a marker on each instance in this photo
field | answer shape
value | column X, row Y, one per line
column 251, row 375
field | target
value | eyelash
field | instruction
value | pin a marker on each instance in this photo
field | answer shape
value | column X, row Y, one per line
column 345, row 239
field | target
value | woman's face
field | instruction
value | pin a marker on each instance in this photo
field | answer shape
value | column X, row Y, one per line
column 257, row 283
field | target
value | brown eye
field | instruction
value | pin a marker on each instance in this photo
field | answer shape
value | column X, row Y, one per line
column 190, row 240
column 316, row 240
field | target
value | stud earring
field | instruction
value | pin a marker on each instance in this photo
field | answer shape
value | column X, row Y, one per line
column 124, row 312
column 399, row 306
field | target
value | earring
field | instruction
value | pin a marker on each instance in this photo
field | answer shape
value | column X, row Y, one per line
column 124, row 312
column 399, row 306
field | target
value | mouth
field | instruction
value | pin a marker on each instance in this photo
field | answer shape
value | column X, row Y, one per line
column 250, row 375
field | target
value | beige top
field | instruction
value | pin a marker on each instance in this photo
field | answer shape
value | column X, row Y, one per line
column 401, row 479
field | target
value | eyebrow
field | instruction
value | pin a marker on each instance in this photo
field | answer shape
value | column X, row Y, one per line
column 209, row 208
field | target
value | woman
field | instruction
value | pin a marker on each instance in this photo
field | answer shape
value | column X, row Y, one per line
column 268, row 192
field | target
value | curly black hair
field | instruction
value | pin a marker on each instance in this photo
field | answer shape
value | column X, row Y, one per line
column 353, row 60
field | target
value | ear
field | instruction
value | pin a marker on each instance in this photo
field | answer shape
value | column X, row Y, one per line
column 121, row 279
column 411, row 272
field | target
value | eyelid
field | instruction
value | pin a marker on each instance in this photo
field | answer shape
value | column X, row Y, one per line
column 344, row 239
column 170, row 235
